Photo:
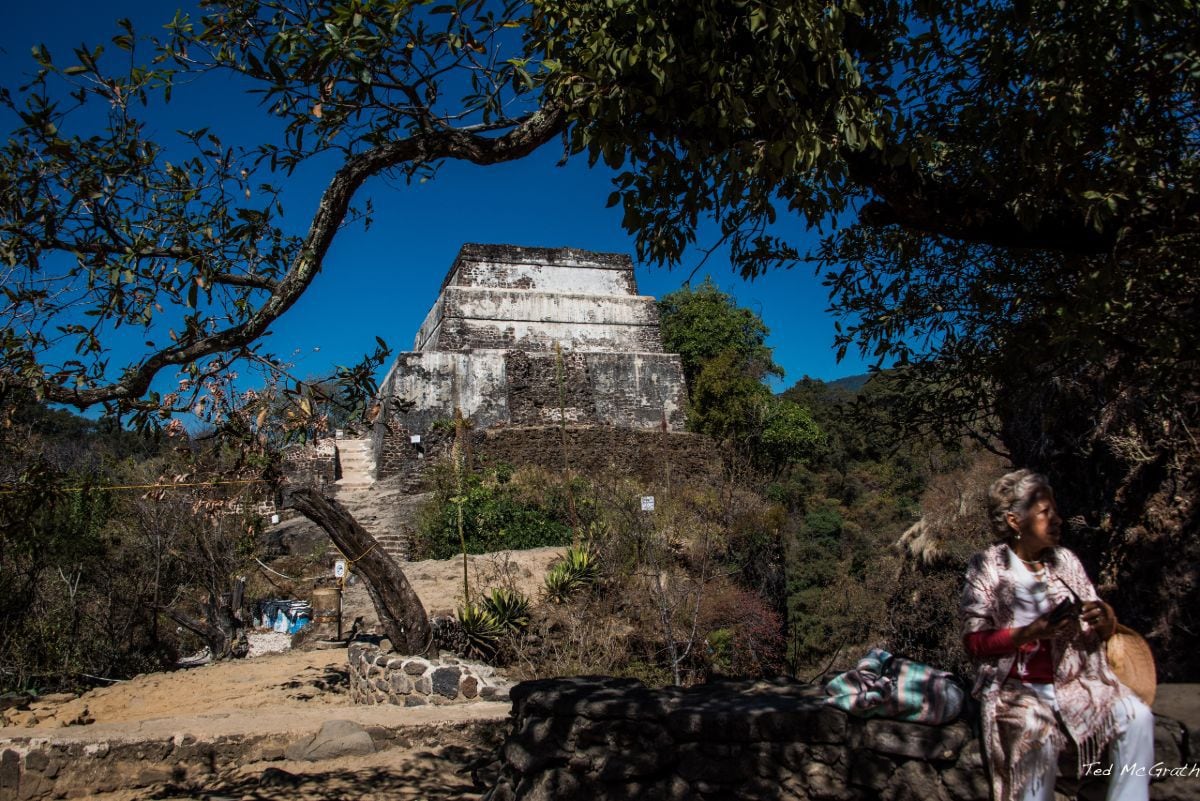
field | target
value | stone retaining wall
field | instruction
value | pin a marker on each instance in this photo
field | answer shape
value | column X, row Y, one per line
column 596, row 738
column 649, row 455
column 384, row 678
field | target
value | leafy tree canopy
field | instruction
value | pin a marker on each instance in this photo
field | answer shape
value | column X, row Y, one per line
column 1007, row 170
column 702, row 322
column 109, row 228
column 1020, row 179
column 725, row 361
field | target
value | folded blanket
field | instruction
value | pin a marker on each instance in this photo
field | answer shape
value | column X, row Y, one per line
column 886, row 686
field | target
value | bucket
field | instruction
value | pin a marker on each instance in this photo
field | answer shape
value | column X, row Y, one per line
column 327, row 612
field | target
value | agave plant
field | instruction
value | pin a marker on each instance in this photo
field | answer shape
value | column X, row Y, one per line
column 559, row 585
column 481, row 628
column 577, row 569
column 509, row 607
column 582, row 564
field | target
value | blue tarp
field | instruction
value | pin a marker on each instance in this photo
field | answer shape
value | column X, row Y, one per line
column 283, row 615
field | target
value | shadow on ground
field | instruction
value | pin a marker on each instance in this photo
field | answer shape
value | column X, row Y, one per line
column 438, row 775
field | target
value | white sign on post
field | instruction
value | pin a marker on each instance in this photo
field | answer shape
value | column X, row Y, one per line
column 415, row 439
column 647, row 503
column 339, row 568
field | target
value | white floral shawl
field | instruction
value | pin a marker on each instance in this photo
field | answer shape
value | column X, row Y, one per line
column 1084, row 686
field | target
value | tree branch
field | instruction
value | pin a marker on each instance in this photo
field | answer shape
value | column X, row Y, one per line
column 529, row 134
column 913, row 200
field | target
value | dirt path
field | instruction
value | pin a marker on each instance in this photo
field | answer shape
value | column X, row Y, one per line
column 292, row 694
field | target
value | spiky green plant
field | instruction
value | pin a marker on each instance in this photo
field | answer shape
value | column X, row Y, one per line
column 578, row 568
column 582, row 564
column 509, row 607
column 481, row 628
column 559, row 585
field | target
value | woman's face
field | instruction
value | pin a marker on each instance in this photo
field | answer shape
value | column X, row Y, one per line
column 1041, row 525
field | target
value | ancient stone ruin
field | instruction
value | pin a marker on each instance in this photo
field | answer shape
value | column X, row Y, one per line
column 604, row 739
column 530, row 337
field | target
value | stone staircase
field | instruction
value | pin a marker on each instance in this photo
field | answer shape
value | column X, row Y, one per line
column 358, row 491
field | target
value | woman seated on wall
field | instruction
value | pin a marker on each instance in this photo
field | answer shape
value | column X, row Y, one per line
column 1034, row 624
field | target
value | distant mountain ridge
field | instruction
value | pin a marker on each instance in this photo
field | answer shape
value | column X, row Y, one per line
column 850, row 383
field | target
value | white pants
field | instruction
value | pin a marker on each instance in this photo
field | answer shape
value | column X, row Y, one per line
column 1130, row 757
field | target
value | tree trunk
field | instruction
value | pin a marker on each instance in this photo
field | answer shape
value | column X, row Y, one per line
column 222, row 628
column 400, row 611
column 218, row 641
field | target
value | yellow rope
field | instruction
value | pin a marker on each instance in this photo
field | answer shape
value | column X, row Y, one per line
column 350, row 563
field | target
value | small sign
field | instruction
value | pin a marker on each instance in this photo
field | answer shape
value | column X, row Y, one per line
column 339, row 434
column 275, row 519
column 415, row 439
column 339, row 568
column 647, row 503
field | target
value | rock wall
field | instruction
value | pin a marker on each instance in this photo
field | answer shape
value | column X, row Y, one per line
column 482, row 317
column 649, row 455
column 528, row 336
column 515, row 267
column 384, row 678
column 311, row 465
column 595, row 738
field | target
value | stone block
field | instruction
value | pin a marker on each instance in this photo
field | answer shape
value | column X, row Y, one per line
column 444, row 681
column 494, row 693
column 36, row 761
column 336, row 738
column 1170, row 741
column 555, row 785
column 694, row 765
column 966, row 784
column 400, row 683
column 913, row 740
column 10, row 771
column 415, row 700
column 468, row 686
column 416, row 667
column 1184, row 787
column 423, row 685
column 915, row 781
column 869, row 769
column 826, row 783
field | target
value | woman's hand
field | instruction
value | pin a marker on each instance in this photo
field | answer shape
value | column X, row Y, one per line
column 1100, row 617
column 1043, row 629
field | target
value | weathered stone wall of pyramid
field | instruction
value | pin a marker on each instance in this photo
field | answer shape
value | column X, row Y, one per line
column 502, row 297
column 527, row 337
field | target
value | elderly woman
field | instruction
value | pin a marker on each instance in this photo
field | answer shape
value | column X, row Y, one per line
column 1033, row 623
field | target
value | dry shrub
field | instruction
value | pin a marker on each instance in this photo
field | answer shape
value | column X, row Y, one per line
column 923, row 620
column 681, row 588
column 745, row 635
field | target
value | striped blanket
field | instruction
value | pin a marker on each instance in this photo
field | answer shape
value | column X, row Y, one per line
column 886, row 686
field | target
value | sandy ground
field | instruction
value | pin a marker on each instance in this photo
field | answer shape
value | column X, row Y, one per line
column 439, row 582
column 294, row 692
column 284, row 691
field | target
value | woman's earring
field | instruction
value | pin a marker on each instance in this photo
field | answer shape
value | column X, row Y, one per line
column 1017, row 536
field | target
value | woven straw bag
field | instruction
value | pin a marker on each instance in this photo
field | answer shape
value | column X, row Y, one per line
column 1130, row 658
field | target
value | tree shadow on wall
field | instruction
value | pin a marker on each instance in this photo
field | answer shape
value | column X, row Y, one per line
column 438, row 775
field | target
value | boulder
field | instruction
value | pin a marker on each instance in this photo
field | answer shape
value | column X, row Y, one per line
column 336, row 738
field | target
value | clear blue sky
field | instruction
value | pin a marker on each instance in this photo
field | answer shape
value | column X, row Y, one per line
column 383, row 281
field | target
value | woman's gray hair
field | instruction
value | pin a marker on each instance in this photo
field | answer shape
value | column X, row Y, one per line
column 1013, row 492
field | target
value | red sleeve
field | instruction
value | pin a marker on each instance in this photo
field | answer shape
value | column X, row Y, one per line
column 997, row 642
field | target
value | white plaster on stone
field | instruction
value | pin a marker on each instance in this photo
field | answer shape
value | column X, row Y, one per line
column 499, row 299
